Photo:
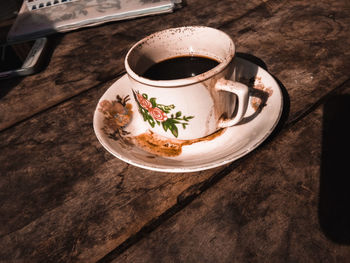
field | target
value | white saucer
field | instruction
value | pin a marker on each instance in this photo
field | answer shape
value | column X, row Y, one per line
column 232, row 144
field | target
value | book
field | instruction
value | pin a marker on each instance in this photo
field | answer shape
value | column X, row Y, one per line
column 38, row 18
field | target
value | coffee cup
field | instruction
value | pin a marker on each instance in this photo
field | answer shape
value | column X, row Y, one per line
column 183, row 83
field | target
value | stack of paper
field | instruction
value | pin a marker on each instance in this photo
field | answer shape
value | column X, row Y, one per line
column 38, row 18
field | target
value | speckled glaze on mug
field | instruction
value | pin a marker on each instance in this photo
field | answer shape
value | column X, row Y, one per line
column 193, row 107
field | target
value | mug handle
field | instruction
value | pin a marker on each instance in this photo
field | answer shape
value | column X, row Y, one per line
column 242, row 93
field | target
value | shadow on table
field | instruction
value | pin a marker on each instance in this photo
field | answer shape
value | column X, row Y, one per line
column 334, row 199
column 6, row 85
column 253, row 59
column 286, row 101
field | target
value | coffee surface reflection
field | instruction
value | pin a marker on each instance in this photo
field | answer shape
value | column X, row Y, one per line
column 180, row 67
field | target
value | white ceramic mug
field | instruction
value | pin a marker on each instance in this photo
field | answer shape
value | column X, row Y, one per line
column 192, row 107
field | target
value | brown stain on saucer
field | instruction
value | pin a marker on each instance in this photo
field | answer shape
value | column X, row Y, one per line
column 162, row 146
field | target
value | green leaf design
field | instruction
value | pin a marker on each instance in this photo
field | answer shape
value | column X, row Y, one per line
column 144, row 114
column 165, row 125
column 153, row 101
column 170, row 123
column 166, row 108
column 174, row 130
column 151, row 121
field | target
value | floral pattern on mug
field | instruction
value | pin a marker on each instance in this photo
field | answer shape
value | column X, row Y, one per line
column 143, row 102
column 160, row 114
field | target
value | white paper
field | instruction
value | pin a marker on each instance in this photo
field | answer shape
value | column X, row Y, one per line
column 72, row 15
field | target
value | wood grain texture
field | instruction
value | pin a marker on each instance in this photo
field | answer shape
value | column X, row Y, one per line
column 274, row 207
column 64, row 198
column 88, row 57
column 301, row 43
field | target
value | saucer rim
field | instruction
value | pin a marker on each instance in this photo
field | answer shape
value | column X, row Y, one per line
column 194, row 168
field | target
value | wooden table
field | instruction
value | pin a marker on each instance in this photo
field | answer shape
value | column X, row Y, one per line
column 64, row 198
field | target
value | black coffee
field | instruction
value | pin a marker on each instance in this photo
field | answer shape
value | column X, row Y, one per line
column 180, row 67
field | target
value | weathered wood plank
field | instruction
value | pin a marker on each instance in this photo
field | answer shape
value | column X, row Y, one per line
column 304, row 44
column 89, row 57
column 64, row 198
column 277, row 206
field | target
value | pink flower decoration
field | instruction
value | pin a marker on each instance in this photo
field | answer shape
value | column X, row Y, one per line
column 158, row 114
column 143, row 102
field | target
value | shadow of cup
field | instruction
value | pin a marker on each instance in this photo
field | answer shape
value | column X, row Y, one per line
column 258, row 96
